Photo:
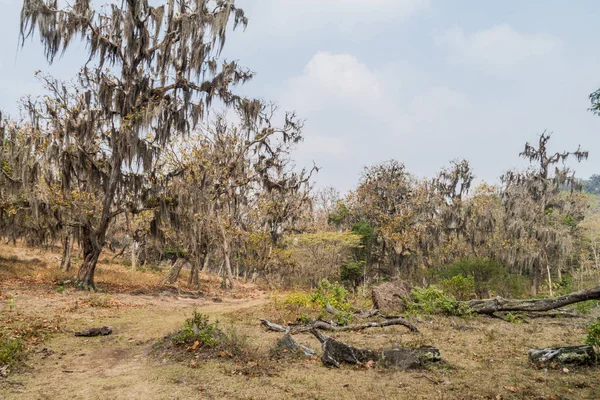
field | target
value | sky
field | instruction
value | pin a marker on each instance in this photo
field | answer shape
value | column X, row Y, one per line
column 420, row 81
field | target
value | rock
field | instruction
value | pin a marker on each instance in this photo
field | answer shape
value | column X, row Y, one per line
column 408, row 358
column 104, row 331
column 389, row 297
column 557, row 356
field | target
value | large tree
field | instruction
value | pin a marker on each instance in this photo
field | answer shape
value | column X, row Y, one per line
column 540, row 214
column 152, row 74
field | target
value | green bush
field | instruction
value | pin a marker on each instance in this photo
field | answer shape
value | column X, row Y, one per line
column 12, row 351
column 432, row 300
column 585, row 307
column 490, row 277
column 353, row 272
column 198, row 329
column 461, row 287
column 593, row 335
column 315, row 303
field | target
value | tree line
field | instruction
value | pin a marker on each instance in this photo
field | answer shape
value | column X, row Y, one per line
column 132, row 155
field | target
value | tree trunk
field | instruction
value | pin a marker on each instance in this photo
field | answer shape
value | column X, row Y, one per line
column 91, row 248
column 85, row 276
column 535, row 285
column 174, row 271
column 490, row 306
column 194, row 269
column 227, row 273
column 206, row 261
column 133, row 254
column 65, row 264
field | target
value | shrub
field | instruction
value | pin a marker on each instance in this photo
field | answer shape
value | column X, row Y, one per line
column 198, row 329
column 593, row 335
column 12, row 351
column 432, row 300
column 489, row 277
column 585, row 307
column 461, row 287
column 303, row 304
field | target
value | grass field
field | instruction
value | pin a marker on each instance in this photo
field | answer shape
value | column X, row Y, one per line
column 488, row 361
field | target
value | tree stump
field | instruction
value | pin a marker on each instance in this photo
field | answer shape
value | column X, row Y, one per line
column 288, row 346
column 557, row 356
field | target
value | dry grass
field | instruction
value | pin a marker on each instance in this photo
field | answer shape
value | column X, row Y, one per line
column 488, row 361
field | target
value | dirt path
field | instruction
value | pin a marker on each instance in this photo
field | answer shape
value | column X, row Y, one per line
column 116, row 366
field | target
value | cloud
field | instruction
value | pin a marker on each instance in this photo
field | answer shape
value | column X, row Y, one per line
column 499, row 49
column 340, row 78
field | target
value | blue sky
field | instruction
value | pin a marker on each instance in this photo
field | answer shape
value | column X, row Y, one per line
column 420, row 81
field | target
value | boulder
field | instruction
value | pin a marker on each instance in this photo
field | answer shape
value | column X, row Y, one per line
column 389, row 296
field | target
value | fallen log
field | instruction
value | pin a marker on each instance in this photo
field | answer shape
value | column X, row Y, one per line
column 335, row 353
column 553, row 357
column 104, row 331
column 499, row 304
column 329, row 326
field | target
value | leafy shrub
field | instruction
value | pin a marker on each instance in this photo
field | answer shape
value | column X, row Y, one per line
column 331, row 293
column 585, row 307
column 12, row 351
column 593, row 335
column 198, row 329
column 432, row 300
column 303, row 304
column 461, row 287
column 489, row 277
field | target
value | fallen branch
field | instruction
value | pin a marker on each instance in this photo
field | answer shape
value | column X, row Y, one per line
column 499, row 304
column 328, row 326
column 104, row 331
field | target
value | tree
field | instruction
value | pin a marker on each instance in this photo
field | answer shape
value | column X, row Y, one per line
column 539, row 215
column 233, row 185
column 592, row 185
column 157, row 72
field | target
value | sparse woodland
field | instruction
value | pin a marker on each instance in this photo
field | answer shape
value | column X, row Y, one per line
column 150, row 160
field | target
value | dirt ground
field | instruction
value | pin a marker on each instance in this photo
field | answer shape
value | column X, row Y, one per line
column 487, row 361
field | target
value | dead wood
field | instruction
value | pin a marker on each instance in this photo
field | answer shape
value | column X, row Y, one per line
column 553, row 357
column 288, row 346
column 335, row 353
column 329, row 326
column 104, row 331
column 499, row 304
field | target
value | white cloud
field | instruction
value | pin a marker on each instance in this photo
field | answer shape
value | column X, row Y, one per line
column 334, row 77
column 499, row 49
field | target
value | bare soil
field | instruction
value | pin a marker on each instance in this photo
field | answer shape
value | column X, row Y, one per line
column 488, row 361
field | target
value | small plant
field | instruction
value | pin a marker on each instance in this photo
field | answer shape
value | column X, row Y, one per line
column 593, row 335
column 60, row 289
column 432, row 300
column 304, row 319
column 12, row 351
column 514, row 318
column 331, row 293
column 12, row 304
column 198, row 329
column 585, row 307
